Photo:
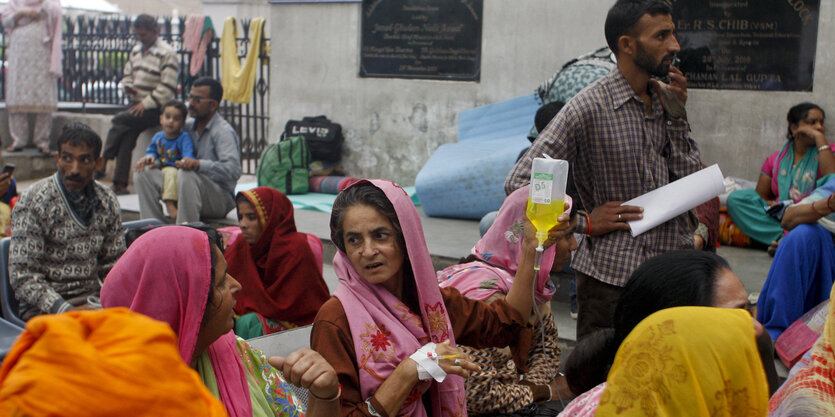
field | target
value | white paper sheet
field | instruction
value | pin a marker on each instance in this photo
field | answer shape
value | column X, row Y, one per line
column 677, row 197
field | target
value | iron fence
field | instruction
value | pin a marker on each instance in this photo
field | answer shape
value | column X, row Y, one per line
column 96, row 49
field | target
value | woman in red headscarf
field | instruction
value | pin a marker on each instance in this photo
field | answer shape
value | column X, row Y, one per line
column 282, row 287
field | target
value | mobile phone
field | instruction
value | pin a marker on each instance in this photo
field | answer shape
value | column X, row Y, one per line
column 8, row 169
column 676, row 62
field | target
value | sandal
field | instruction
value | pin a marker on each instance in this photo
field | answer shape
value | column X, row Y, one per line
column 13, row 148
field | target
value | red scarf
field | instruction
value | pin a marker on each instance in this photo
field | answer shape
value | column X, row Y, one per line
column 278, row 274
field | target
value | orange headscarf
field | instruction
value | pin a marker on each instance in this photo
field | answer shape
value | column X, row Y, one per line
column 101, row 363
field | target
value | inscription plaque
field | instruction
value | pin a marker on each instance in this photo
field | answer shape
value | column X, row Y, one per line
column 747, row 44
column 429, row 39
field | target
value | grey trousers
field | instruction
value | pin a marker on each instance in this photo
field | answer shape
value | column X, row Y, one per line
column 121, row 139
column 199, row 197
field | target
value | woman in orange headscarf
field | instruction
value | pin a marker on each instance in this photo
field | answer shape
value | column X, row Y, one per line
column 281, row 284
column 101, row 363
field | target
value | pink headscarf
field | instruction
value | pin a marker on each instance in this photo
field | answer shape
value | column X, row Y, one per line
column 385, row 331
column 166, row 275
column 499, row 252
column 52, row 11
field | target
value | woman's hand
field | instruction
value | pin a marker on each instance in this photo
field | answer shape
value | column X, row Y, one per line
column 557, row 232
column 392, row 393
column 308, row 369
column 560, row 390
column 818, row 136
column 28, row 12
column 464, row 366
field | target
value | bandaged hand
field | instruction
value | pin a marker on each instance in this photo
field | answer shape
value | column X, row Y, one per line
column 437, row 360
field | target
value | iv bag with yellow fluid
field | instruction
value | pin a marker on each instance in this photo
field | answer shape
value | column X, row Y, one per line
column 544, row 217
column 547, row 199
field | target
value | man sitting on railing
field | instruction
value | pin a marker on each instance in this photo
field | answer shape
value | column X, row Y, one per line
column 150, row 80
column 206, row 185
column 66, row 231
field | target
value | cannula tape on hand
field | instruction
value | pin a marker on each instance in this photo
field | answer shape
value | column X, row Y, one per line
column 427, row 363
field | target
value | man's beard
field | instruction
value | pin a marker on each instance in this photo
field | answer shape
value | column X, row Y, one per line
column 644, row 61
column 198, row 117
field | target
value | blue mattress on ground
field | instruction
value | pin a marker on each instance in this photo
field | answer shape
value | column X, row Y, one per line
column 466, row 179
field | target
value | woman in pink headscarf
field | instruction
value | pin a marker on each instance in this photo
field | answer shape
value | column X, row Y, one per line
column 488, row 275
column 389, row 329
column 178, row 275
column 34, row 63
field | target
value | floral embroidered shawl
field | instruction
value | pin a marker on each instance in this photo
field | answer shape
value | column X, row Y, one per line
column 500, row 251
column 384, row 330
column 688, row 361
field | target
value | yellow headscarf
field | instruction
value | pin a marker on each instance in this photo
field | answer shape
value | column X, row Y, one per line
column 109, row 362
column 688, row 361
column 811, row 391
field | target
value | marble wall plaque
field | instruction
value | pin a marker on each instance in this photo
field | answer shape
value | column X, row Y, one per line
column 748, row 44
column 428, row 39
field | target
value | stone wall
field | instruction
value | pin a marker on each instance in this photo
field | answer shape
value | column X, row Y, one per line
column 392, row 126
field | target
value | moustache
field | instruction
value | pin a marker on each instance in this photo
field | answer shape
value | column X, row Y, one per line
column 74, row 177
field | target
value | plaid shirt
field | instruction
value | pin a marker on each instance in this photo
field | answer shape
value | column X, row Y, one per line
column 617, row 153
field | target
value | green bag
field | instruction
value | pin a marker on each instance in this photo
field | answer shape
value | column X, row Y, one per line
column 283, row 166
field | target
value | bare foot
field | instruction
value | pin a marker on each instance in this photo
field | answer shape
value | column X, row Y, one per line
column 772, row 248
column 172, row 209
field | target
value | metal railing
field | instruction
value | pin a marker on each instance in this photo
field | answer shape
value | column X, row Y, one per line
column 96, row 49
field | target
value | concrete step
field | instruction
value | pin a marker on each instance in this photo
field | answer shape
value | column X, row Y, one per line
column 30, row 164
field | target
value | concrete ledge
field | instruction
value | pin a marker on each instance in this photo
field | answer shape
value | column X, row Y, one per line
column 30, row 164
column 99, row 121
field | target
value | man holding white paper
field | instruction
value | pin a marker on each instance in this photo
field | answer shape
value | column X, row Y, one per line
column 625, row 135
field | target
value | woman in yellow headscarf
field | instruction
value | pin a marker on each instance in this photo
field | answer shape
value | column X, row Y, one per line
column 693, row 361
column 810, row 390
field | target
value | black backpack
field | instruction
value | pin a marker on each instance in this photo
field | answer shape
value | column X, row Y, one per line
column 324, row 138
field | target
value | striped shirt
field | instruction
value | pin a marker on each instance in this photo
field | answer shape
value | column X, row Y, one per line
column 153, row 74
column 617, row 152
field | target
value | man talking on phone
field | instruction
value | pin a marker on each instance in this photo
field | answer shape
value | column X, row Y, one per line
column 66, row 231
column 150, row 81
column 625, row 134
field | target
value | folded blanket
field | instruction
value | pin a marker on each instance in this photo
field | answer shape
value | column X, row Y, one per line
column 329, row 184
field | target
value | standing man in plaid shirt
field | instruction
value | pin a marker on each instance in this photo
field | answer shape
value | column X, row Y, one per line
column 624, row 135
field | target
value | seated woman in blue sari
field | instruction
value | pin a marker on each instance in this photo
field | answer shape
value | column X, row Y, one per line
column 787, row 176
column 803, row 270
